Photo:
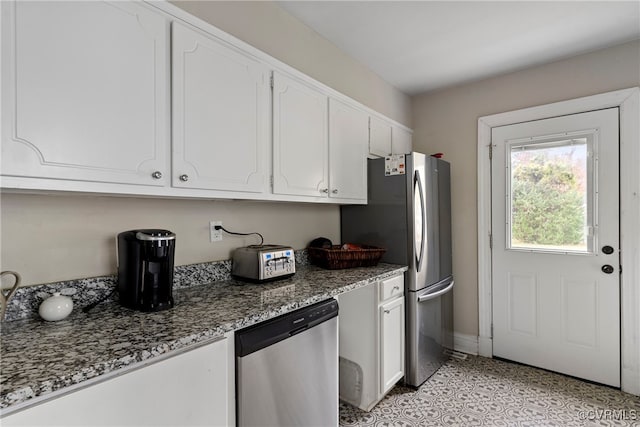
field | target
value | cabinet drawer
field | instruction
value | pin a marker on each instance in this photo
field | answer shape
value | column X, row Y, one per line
column 391, row 287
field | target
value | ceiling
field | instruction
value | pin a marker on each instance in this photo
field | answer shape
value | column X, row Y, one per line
column 421, row 46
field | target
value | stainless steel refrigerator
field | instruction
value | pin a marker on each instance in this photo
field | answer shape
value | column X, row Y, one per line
column 409, row 214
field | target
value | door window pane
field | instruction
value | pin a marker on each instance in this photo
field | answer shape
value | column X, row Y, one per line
column 550, row 199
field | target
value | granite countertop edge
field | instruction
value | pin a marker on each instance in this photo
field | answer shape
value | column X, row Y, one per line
column 44, row 390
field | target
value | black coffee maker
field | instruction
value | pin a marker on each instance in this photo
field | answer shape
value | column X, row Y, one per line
column 145, row 269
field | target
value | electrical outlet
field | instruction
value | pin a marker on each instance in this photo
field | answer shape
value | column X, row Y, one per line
column 215, row 235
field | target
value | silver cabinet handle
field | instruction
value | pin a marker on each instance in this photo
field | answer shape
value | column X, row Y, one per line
column 324, row 190
column 156, row 175
column 396, row 287
column 184, row 177
column 387, row 311
column 335, row 191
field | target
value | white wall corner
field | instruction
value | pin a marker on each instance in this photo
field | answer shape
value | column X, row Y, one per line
column 465, row 343
column 630, row 241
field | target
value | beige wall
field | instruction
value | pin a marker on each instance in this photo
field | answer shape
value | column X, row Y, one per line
column 446, row 121
column 273, row 30
column 59, row 237
column 51, row 238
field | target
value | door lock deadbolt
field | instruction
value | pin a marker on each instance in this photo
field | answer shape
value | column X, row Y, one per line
column 607, row 269
column 608, row 250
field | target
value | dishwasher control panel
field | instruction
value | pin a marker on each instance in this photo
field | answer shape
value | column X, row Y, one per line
column 261, row 263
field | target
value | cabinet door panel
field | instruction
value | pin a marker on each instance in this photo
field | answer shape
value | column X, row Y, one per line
column 220, row 115
column 85, row 91
column 391, row 343
column 189, row 389
column 300, row 165
column 400, row 141
column 348, row 134
column 379, row 137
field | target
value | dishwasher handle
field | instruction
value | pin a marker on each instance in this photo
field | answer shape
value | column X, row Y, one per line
column 430, row 296
column 298, row 330
column 256, row 337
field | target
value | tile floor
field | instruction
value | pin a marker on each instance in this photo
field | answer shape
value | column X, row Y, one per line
column 488, row 392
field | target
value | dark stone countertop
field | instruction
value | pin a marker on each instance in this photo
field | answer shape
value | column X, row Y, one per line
column 40, row 358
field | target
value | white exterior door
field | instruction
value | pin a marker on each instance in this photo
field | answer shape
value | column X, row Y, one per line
column 84, row 92
column 555, row 230
column 220, row 115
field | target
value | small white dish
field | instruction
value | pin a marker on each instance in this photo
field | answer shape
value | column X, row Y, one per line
column 56, row 307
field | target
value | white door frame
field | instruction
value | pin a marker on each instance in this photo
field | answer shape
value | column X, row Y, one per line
column 628, row 100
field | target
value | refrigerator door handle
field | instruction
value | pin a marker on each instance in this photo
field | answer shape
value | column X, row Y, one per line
column 429, row 296
column 419, row 239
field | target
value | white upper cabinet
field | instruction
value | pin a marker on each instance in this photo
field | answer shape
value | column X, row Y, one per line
column 141, row 98
column 85, row 92
column 348, row 136
column 379, row 137
column 220, row 115
column 319, row 144
column 400, row 141
column 300, row 160
column 386, row 138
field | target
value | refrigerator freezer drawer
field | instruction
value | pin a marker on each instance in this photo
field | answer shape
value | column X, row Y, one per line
column 429, row 331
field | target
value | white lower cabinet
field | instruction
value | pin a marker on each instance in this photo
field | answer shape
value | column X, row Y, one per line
column 391, row 339
column 372, row 341
column 192, row 388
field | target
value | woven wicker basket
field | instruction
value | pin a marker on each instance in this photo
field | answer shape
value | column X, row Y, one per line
column 337, row 258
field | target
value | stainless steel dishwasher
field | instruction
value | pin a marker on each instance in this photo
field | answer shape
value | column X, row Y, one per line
column 287, row 369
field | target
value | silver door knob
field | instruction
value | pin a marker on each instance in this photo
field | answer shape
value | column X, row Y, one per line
column 387, row 311
column 324, row 190
column 184, row 177
column 334, row 191
column 156, row 175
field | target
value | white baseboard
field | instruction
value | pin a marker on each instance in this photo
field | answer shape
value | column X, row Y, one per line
column 631, row 381
column 471, row 344
column 465, row 343
column 485, row 346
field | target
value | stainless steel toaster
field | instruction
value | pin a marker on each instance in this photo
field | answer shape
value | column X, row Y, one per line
column 262, row 263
